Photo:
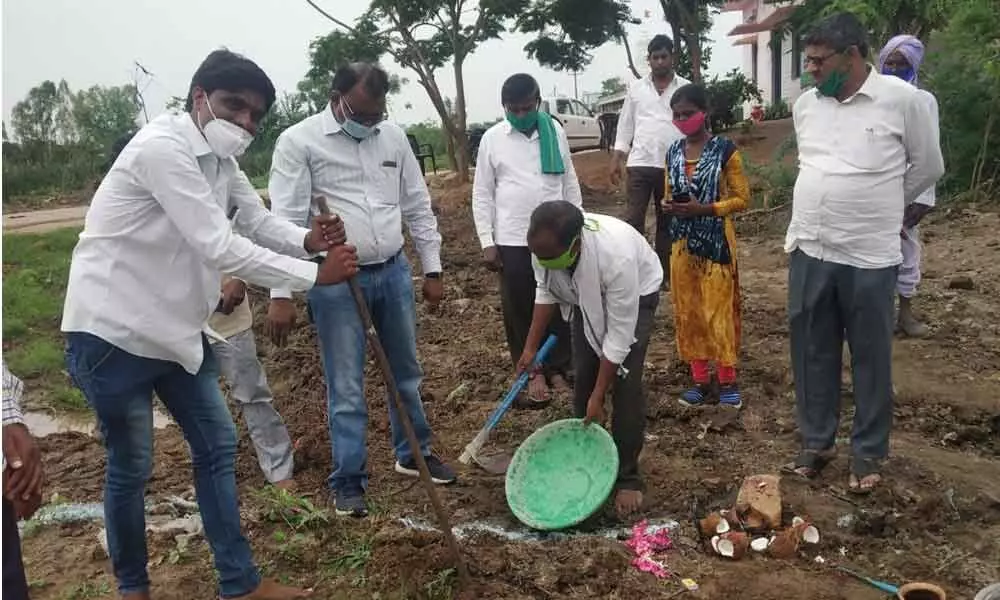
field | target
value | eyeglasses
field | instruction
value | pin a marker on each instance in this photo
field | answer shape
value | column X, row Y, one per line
column 818, row 60
column 365, row 119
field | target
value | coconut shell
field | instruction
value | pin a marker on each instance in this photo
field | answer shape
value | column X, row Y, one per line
column 784, row 545
column 713, row 524
column 733, row 518
column 740, row 542
column 759, row 544
column 805, row 531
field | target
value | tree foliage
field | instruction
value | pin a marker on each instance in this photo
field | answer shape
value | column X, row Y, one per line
column 690, row 22
column 963, row 72
column 727, row 96
column 884, row 18
column 425, row 36
column 611, row 86
column 567, row 31
column 102, row 114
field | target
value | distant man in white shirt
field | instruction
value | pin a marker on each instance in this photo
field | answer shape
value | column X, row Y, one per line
column 603, row 274
column 523, row 161
column 240, row 367
column 143, row 281
column 645, row 131
column 901, row 57
column 365, row 169
column 23, row 478
column 865, row 152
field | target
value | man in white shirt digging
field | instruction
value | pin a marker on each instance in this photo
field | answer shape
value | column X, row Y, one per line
column 603, row 274
column 523, row 161
column 865, row 152
column 645, row 131
column 143, row 281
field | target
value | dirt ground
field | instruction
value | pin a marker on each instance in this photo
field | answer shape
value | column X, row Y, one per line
column 937, row 518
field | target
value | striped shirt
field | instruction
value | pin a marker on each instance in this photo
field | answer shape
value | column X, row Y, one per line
column 12, row 390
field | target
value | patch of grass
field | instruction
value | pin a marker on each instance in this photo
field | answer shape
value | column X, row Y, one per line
column 88, row 590
column 35, row 271
column 442, row 587
column 297, row 512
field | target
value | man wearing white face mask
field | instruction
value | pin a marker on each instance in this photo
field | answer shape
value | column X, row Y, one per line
column 365, row 169
column 144, row 279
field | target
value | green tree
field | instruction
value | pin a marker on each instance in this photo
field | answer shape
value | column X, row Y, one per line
column 425, row 36
column 567, row 31
column 34, row 118
column 611, row 86
column 103, row 114
column 963, row 72
column 690, row 22
column 884, row 18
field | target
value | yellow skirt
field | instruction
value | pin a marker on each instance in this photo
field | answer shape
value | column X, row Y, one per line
column 706, row 299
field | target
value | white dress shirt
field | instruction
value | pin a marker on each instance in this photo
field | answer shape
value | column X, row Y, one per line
column 374, row 185
column 509, row 184
column 929, row 196
column 617, row 266
column 157, row 238
column 860, row 162
column 646, row 123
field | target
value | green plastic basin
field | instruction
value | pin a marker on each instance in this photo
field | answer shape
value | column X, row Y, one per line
column 561, row 474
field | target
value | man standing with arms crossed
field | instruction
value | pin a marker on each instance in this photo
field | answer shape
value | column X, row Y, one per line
column 523, row 162
column 866, row 150
column 365, row 169
column 143, row 281
column 645, row 131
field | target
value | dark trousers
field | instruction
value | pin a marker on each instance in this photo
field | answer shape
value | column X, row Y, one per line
column 628, row 397
column 645, row 183
column 828, row 302
column 517, row 297
column 15, row 585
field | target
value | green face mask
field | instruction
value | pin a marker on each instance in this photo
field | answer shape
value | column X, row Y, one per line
column 833, row 84
column 523, row 122
column 564, row 260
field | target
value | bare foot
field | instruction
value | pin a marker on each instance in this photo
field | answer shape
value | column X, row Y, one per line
column 538, row 389
column 288, row 485
column 627, row 502
column 272, row 590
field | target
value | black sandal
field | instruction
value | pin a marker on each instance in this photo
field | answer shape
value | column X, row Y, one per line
column 862, row 469
column 809, row 463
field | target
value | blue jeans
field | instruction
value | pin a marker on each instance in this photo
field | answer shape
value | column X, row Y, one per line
column 389, row 293
column 119, row 388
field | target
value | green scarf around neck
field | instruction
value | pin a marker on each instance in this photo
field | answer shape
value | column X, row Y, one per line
column 548, row 142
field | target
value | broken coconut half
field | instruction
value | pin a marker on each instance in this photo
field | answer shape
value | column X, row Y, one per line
column 733, row 544
column 760, row 544
column 713, row 525
column 805, row 531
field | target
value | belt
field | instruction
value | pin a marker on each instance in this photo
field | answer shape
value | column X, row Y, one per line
column 369, row 267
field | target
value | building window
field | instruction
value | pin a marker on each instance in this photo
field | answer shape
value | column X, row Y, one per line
column 796, row 55
column 753, row 61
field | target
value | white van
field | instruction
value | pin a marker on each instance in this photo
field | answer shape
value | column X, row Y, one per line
column 578, row 121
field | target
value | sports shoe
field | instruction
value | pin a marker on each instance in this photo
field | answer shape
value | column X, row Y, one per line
column 350, row 503
column 695, row 396
column 729, row 396
column 441, row 473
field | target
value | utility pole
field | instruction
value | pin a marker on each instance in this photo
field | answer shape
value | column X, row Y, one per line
column 576, row 90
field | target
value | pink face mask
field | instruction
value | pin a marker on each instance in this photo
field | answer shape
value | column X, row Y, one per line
column 692, row 124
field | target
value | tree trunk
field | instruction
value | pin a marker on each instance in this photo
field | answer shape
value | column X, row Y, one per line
column 628, row 55
column 460, row 136
column 430, row 86
column 694, row 51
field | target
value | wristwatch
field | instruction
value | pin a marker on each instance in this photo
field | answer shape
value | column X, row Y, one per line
column 434, row 275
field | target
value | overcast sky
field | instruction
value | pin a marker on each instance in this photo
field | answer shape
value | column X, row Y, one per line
column 97, row 42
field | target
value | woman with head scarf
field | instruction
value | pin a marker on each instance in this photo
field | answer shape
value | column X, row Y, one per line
column 902, row 57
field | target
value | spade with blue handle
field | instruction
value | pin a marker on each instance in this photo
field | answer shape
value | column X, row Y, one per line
column 881, row 585
column 497, row 464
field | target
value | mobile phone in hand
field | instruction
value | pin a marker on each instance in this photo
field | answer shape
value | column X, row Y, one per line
column 682, row 198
